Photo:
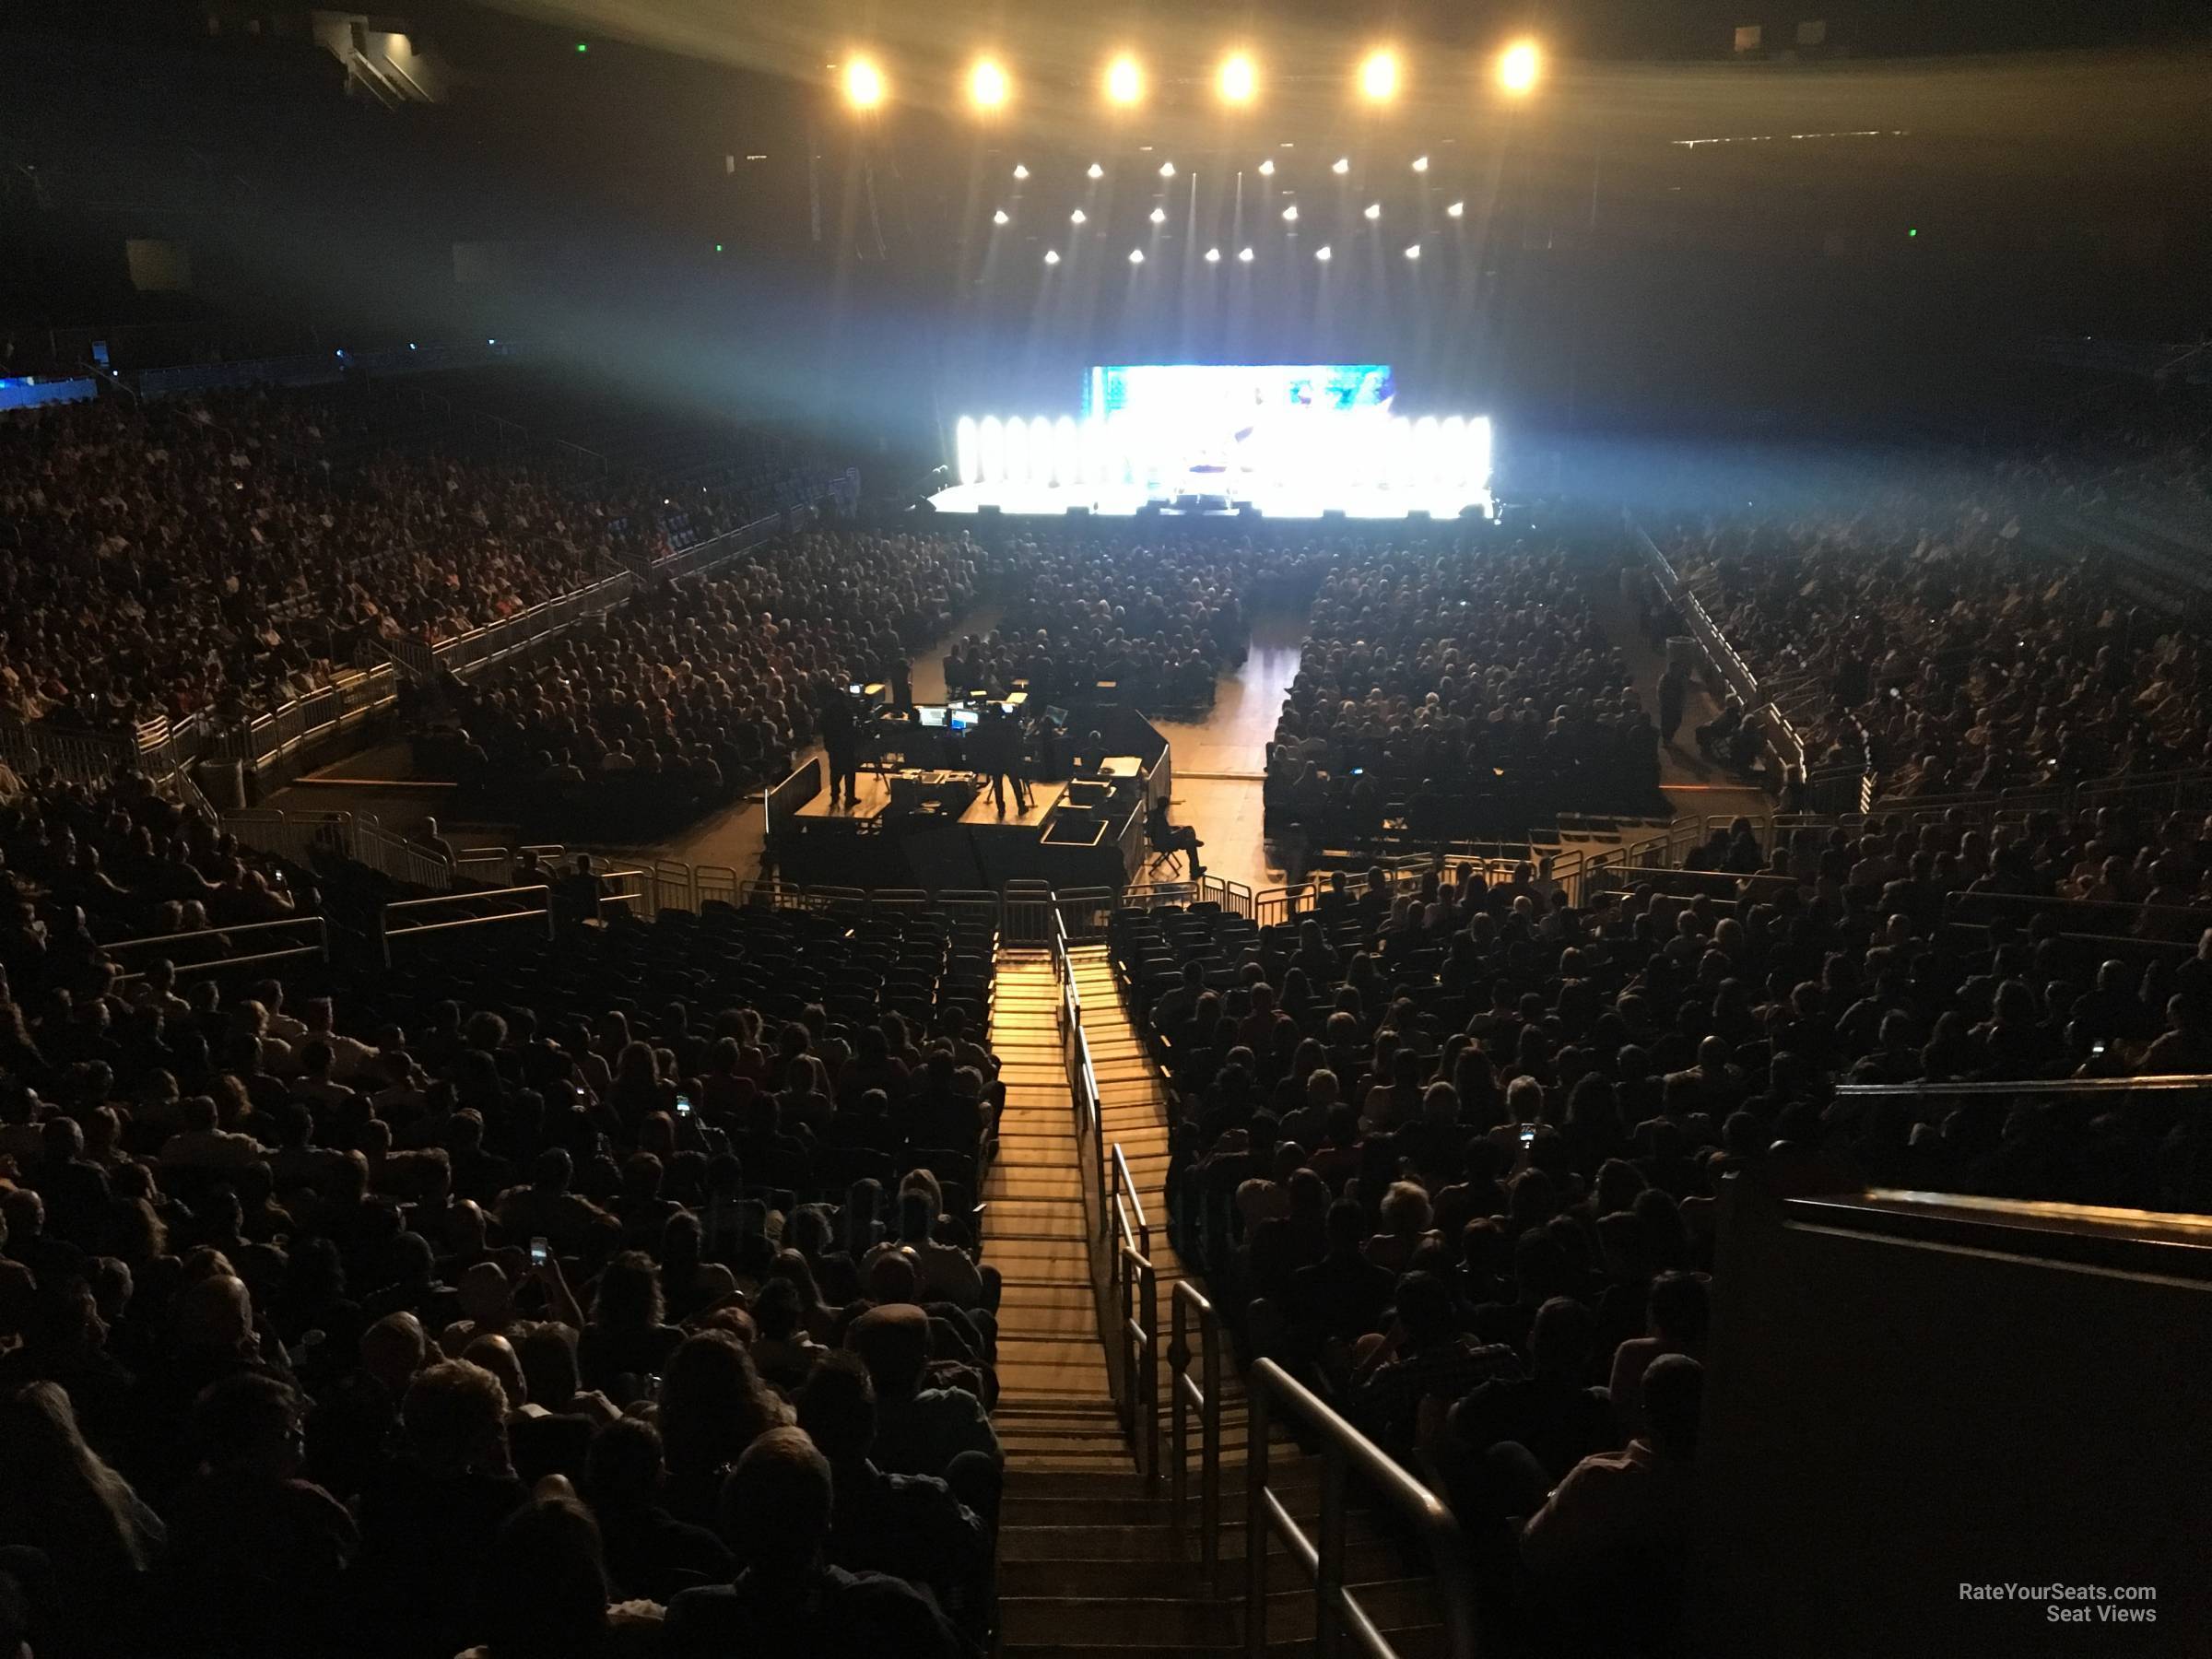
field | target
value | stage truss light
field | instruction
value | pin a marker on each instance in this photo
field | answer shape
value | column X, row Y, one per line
column 1457, row 211
column 1244, row 256
column 988, row 88
column 1077, row 217
column 1322, row 254
column 1001, row 217
column 1158, row 216
column 1290, row 214
column 967, row 459
column 1020, row 172
column 1267, row 167
column 1124, row 81
column 1167, row 170
column 1052, row 256
column 1519, row 66
column 1136, row 256
column 863, row 84
column 1096, row 171
column 1420, row 164
column 1213, row 257
column 1239, row 79
column 1342, row 165
column 1379, row 76
column 1413, row 251
column 1374, row 211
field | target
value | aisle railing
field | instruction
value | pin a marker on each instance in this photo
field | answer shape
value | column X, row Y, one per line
column 1136, row 1302
column 1204, row 1398
column 450, row 912
column 1101, row 1260
column 285, row 940
column 1346, row 1454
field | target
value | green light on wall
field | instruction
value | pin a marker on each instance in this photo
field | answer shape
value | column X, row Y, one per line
column 583, row 45
column 1914, row 232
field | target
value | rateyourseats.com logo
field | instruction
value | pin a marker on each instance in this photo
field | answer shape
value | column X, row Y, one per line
column 2075, row 1603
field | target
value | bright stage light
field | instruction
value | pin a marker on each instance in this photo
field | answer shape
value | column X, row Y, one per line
column 1518, row 68
column 1213, row 257
column 1373, row 210
column 1322, row 254
column 1239, row 79
column 1000, row 218
column 1420, row 164
column 1167, row 170
column 1158, row 216
column 1379, row 76
column 1413, row 251
column 1457, row 210
column 1052, row 256
column 863, row 84
column 1428, row 459
column 1020, row 172
column 964, row 449
column 1067, row 457
column 1124, row 81
column 1243, row 255
column 1097, row 172
column 1267, row 167
column 987, row 85
column 1136, row 256
column 1077, row 217
column 1290, row 214
column 1363, row 457
column 1342, row 165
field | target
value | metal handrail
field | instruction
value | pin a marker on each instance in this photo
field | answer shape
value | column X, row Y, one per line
column 1185, row 1394
column 1338, row 1615
column 2159, row 1083
column 1137, row 1296
column 386, row 933
column 315, row 926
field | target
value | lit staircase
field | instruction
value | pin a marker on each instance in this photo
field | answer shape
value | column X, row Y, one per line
column 1092, row 1565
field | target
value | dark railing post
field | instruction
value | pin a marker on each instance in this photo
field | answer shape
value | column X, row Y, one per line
column 1255, row 1524
column 1328, row 1575
column 1179, row 1376
column 1209, row 1434
column 1148, row 1356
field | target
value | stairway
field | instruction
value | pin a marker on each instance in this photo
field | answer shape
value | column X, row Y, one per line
column 1056, row 1411
column 1091, row 1564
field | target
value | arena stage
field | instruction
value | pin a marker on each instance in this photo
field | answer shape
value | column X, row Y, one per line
column 1367, row 502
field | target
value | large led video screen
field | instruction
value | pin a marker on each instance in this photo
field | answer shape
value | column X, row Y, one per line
column 1212, row 426
column 1226, row 394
